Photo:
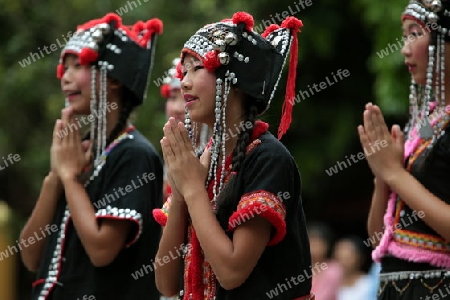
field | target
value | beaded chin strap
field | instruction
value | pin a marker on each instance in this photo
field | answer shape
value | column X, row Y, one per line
column 219, row 133
column 420, row 98
column 198, row 133
column 98, row 108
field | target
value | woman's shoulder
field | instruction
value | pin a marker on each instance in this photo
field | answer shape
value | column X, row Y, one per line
column 136, row 144
column 267, row 147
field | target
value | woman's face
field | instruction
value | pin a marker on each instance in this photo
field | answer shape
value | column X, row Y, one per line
column 76, row 84
column 319, row 248
column 175, row 105
column 415, row 50
column 198, row 89
column 348, row 257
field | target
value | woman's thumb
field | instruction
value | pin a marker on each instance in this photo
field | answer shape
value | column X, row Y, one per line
column 86, row 145
column 397, row 134
column 205, row 158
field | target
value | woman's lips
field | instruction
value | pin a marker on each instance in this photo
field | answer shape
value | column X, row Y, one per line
column 72, row 96
column 411, row 68
column 190, row 102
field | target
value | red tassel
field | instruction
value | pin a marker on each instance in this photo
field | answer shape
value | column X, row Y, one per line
column 211, row 62
column 294, row 24
column 87, row 56
column 244, row 17
column 270, row 29
column 59, row 71
column 196, row 268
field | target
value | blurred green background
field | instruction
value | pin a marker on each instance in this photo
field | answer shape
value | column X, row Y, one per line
column 346, row 35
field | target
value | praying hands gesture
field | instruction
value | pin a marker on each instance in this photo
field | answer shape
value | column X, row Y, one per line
column 68, row 154
column 185, row 171
column 388, row 158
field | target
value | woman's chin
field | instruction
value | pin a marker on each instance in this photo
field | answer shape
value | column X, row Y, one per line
column 420, row 80
column 200, row 119
column 80, row 111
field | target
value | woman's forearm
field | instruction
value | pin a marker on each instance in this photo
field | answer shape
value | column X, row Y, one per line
column 432, row 210
column 171, row 245
column 40, row 222
column 377, row 211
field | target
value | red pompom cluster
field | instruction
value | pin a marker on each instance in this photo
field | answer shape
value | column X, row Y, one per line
column 106, row 19
column 178, row 73
column 87, row 56
column 151, row 27
column 270, row 29
column 165, row 90
column 244, row 17
column 292, row 23
column 59, row 71
column 211, row 62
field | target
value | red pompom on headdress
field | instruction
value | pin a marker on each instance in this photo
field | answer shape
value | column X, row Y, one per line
column 270, row 29
column 294, row 25
column 165, row 90
column 150, row 27
column 243, row 17
column 87, row 56
column 108, row 18
column 60, row 71
column 178, row 73
column 211, row 62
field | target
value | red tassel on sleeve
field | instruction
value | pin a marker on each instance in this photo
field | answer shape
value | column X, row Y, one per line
column 294, row 25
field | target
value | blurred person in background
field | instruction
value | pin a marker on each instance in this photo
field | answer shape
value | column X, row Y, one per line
column 103, row 235
column 411, row 199
column 351, row 254
column 176, row 108
column 326, row 283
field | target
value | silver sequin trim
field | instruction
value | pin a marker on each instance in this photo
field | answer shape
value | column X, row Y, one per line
column 122, row 213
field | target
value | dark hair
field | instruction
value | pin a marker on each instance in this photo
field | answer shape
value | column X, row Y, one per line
column 226, row 204
column 126, row 109
column 323, row 232
column 429, row 154
column 360, row 249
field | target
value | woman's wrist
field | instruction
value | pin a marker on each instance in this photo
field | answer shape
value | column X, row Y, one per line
column 52, row 179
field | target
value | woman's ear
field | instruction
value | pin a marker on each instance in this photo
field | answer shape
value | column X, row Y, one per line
column 114, row 84
column 237, row 93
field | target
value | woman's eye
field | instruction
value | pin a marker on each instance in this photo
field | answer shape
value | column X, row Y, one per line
column 198, row 68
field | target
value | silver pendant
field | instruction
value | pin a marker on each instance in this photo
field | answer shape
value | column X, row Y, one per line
column 426, row 132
